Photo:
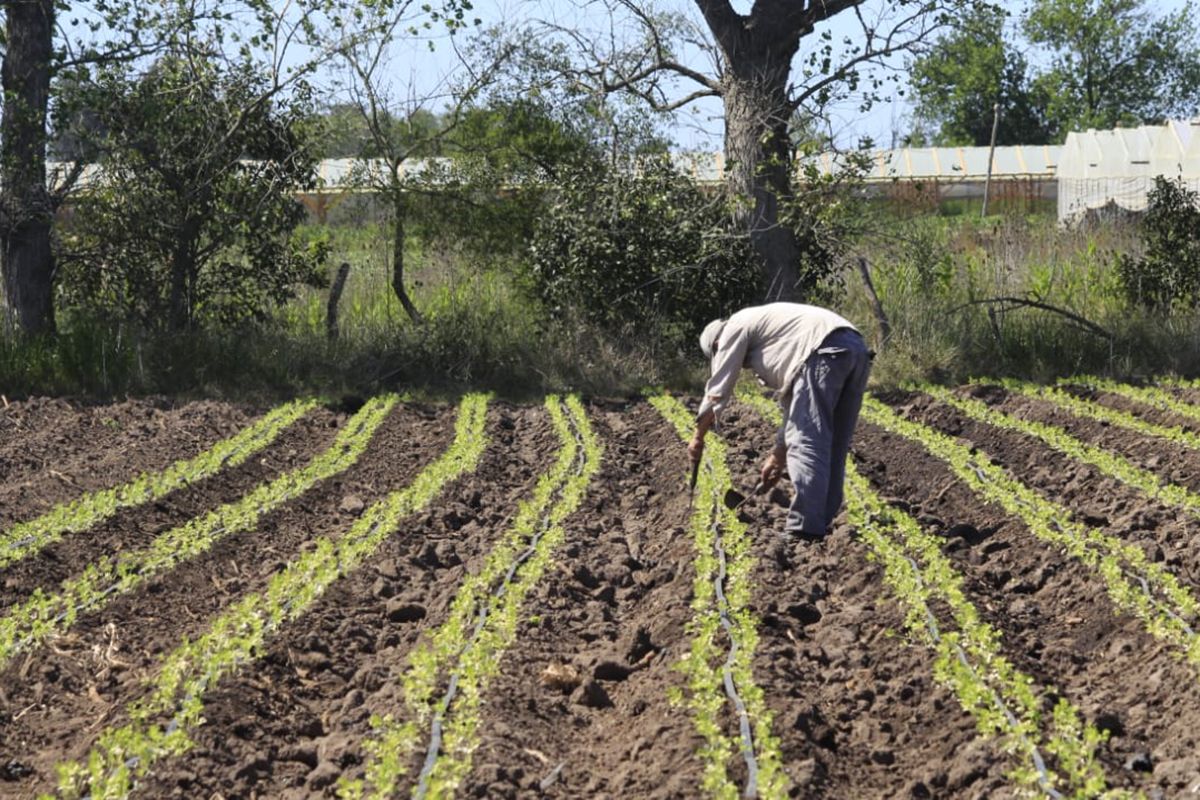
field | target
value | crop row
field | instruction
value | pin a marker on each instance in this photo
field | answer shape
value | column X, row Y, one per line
column 721, row 603
column 464, row 653
column 158, row 726
column 26, row 538
column 1150, row 395
column 1109, row 416
column 1106, row 461
column 43, row 614
column 1134, row 583
column 969, row 660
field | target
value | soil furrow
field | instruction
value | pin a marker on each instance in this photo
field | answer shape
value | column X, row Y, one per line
column 133, row 528
column 1150, row 413
column 581, row 708
column 91, row 673
column 1171, row 461
column 1169, row 534
column 857, row 711
column 58, row 451
column 299, row 715
column 1055, row 616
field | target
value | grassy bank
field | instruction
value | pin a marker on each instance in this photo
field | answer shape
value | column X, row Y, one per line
column 1005, row 296
column 1011, row 296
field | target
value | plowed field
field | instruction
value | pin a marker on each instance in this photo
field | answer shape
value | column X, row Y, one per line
column 501, row 601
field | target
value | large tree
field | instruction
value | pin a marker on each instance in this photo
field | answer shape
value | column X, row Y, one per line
column 38, row 48
column 26, row 208
column 775, row 59
column 1115, row 61
column 969, row 70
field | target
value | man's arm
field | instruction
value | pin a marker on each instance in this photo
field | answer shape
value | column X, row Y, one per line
column 704, row 424
column 727, row 363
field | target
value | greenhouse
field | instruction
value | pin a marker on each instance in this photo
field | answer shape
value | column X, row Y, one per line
column 1116, row 169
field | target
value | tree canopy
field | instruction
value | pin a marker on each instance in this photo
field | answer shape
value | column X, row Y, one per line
column 968, row 70
column 1091, row 64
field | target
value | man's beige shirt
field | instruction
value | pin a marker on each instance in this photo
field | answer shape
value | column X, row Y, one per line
column 773, row 340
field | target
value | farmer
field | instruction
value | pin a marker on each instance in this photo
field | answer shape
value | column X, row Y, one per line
column 818, row 363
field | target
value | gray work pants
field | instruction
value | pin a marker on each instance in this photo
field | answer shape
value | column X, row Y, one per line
column 826, row 399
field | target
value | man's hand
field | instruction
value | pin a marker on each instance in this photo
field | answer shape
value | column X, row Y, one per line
column 773, row 467
column 696, row 448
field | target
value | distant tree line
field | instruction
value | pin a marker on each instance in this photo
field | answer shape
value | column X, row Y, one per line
column 1053, row 67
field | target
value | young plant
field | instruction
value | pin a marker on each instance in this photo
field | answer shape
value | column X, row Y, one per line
column 29, row 623
column 26, row 538
column 721, row 602
column 1107, row 462
column 1109, row 416
column 176, row 691
column 465, row 652
column 1135, row 584
column 969, row 660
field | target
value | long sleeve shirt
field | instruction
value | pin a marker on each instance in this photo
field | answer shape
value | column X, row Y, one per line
column 774, row 340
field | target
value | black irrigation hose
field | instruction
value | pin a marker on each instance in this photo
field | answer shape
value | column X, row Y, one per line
column 437, row 726
column 731, row 692
column 1038, row 762
column 1149, row 592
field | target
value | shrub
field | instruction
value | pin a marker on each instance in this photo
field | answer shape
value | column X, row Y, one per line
column 645, row 249
column 191, row 216
column 1168, row 274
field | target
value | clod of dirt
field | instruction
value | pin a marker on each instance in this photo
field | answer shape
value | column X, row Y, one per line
column 639, row 646
column 609, row 670
column 302, row 753
column 1110, row 724
column 585, row 576
column 804, row 613
column 447, row 554
column 968, row 533
column 428, row 556
column 383, row 588
column 403, row 611
column 324, row 775
column 1139, row 762
column 14, row 771
column 352, row 504
column 388, row 569
column 592, row 695
column 561, row 677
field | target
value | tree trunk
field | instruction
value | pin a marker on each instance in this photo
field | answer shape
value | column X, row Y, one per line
column 26, row 210
column 183, row 275
column 758, row 155
column 399, row 211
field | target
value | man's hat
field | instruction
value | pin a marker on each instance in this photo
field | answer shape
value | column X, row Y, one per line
column 709, row 337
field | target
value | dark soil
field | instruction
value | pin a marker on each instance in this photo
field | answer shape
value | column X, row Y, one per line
column 855, row 706
column 52, row 451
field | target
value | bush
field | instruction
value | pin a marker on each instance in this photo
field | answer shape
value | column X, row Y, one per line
column 1168, row 274
column 648, row 251
column 190, row 219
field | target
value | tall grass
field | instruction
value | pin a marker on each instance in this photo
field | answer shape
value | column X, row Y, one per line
column 938, row 277
column 479, row 329
column 943, row 283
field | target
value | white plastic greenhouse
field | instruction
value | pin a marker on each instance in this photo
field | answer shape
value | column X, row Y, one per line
column 1101, row 169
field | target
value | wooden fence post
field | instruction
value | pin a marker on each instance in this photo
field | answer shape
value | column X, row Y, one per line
column 885, row 327
column 335, row 294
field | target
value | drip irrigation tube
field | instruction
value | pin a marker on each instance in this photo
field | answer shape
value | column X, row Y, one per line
column 731, row 692
column 437, row 726
column 1039, row 763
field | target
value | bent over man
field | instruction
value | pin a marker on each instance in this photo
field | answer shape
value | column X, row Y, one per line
column 818, row 363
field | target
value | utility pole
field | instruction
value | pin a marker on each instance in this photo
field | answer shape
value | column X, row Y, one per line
column 987, row 184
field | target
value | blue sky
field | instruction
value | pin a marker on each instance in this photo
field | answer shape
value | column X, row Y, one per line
column 701, row 126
